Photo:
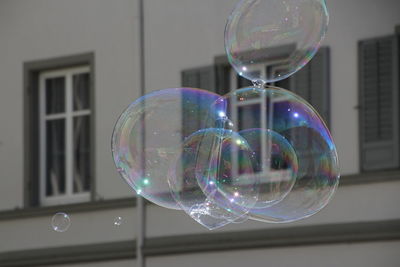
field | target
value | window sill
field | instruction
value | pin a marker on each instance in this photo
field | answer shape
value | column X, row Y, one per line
column 68, row 208
column 370, row 177
column 353, row 179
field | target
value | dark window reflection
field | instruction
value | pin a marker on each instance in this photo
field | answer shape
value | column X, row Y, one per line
column 55, row 157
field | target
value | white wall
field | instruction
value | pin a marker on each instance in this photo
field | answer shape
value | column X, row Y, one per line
column 180, row 34
column 184, row 34
column 42, row 29
column 85, row 228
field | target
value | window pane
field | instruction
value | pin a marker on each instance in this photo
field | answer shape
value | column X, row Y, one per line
column 249, row 116
column 81, row 86
column 55, row 95
column 82, row 170
column 55, row 157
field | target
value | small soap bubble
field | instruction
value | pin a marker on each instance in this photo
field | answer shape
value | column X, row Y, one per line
column 60, row 222
column 118, row 221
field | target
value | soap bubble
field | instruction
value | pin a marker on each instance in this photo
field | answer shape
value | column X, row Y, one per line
column 269, row 40
column 277, row 164
column 293, row 146
column 60, row 222
column 118, row 221
column 148, row 136
column 203, row 182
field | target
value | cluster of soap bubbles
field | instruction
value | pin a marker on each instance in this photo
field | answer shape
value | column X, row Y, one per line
column 260, row 152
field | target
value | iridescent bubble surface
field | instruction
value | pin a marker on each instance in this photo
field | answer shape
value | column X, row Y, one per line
column 204, row 184
column 148, row 136
column 118, row 221
column 277, row 164
column 268, row 40
column 299, row 168
column 60, row 222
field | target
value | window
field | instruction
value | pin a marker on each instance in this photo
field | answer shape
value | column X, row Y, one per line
column 379, row 103
column 64, row 136
column 312, row 82
column 59, row 143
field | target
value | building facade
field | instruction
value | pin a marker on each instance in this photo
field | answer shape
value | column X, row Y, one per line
column 104, row 54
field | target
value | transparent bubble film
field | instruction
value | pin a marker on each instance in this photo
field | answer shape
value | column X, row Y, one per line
column 268, row 40
column 203, row 182
column 148, row 137
column 60, row 222
column 256, row 153
column 294, row 154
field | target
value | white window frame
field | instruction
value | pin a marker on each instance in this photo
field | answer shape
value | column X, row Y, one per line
column 264, row 124
column 68, row 115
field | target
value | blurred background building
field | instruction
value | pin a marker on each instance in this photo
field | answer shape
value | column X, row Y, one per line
column 101, row 57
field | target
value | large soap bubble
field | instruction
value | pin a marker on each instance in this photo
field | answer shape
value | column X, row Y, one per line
column 268, row 40
column 299, row 169
column 277, row 164
column 148, row 137
column 204, row 184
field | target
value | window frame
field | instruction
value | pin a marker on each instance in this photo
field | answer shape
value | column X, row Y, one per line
column 68, row 115
column 32, row 143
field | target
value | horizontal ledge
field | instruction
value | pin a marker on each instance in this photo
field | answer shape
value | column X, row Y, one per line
column 294, row 236
column 68, row 208
column 70, row 254
column 354, row 179
column 211, row 242
column 370, row 177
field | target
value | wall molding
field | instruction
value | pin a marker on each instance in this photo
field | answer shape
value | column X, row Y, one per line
column 354, row 232
column 272, row 238
column 70, row 254
column 129, row 202
column 346, row 180
column 370, row 177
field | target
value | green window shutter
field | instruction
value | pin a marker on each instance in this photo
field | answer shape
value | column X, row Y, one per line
column 312, row 83
column 379, row 103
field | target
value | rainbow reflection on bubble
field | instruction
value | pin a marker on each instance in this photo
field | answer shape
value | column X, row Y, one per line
column 149, row 135
column 308, row 154
column 277, row 164
column 203, row 183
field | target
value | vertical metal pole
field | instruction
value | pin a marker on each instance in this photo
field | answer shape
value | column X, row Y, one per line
column 140, row 205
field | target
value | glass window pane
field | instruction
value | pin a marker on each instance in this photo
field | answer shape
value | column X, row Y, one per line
column 55, row 95
column 55, row 157
column 249, row 116
column 81, row 86
column 82, row 170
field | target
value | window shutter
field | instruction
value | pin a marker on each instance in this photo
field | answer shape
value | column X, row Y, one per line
column 203, row 78
column 223, row 78
column 312, row 83
column 379, row 103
